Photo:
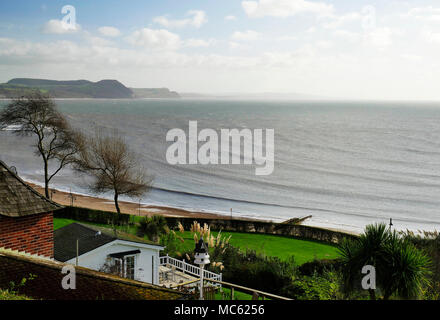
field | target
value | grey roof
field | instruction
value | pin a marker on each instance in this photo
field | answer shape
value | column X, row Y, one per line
column 17, row 199
column 88, row 240
column 90, row 237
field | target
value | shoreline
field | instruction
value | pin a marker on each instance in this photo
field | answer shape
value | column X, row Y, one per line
column 133, row 208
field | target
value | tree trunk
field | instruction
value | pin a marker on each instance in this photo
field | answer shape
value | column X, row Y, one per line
column 116, row 203
column 372, row 294
column 46, row 179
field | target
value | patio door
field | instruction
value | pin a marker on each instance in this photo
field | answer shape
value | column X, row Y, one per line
column 129, row 262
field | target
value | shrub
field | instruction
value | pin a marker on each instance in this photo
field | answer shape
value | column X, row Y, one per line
column 316, row 287
column 249, row 269
column 319, row 266
column 153, row 227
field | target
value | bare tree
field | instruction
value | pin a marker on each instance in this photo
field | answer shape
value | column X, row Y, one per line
column 57, row 143
column 113, row 167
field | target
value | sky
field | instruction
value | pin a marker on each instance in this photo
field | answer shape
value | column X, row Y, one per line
column 354, row 49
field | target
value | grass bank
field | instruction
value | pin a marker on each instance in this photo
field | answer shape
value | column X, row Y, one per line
column 271, row 245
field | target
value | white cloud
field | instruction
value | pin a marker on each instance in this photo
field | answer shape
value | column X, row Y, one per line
column 197, row 19
column 412, row 57
column 305, row 69
column 348, row 35
column 430, row 36
column 381, row 37
column 236, row 45
column 286, row 38
column 248, row 35
column 230, row 18
column 60, row 27
column 284, row 8
column 426, row 14
column 155, row 39
column 199, row 43
column 109, row 31
column 336, row 21
column 324, row 44
column 98, row 41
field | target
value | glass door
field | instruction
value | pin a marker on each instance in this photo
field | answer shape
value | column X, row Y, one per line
column 129, row 267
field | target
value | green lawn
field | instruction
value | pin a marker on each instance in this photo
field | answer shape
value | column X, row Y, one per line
column 272, row 245
column 59, row 222
column 269, row 245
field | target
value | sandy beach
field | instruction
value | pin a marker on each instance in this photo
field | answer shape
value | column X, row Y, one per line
column 65, row 198
column 79, row 200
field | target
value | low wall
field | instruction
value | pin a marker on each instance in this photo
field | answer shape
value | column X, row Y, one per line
column 234, row 225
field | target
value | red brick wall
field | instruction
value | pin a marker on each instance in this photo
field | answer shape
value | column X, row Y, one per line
column 32, row 234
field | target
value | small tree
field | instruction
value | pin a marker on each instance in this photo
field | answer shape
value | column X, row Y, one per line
column 113, row 167
column 37, row 114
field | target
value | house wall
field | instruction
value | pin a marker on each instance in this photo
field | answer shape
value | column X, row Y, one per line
column 32, row 234
column 144, row 270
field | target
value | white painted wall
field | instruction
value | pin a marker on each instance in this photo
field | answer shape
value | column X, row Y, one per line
column 146, row 265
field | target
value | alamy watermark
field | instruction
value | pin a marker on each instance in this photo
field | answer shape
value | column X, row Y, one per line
column 185, row 148
column 369, row 280
column 69, row 281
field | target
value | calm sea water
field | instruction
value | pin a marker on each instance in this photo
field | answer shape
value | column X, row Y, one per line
column 345, row 163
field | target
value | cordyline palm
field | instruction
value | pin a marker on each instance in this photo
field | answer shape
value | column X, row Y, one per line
column 400, row 267
column 407, row 269
column 368, row 249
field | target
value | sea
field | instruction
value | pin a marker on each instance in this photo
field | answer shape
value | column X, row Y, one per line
column 346, row 164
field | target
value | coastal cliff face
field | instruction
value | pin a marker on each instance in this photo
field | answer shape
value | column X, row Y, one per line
column 104, row 89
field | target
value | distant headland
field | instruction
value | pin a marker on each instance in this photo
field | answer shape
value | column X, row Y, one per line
column 104, row 89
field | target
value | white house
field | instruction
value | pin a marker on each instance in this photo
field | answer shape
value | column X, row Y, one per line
column 100, row 249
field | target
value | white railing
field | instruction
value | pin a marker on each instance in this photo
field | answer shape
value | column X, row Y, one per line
column 190, row 269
